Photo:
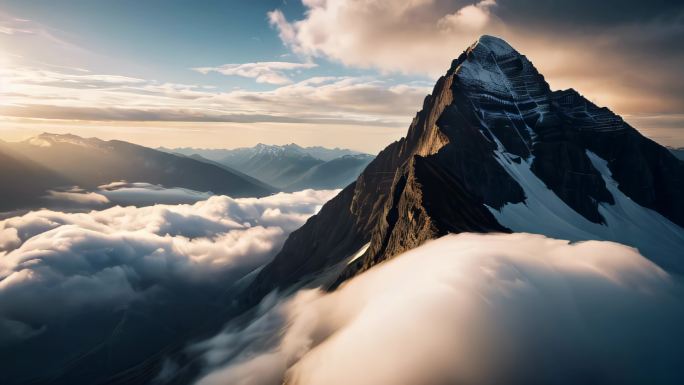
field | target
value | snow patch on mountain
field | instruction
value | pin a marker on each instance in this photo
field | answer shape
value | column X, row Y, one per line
column 626, row 222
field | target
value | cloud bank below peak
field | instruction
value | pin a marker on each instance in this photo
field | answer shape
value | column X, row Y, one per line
column 469, row 309
column 56, row 265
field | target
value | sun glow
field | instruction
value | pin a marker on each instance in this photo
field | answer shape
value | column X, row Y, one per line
column 4, row 68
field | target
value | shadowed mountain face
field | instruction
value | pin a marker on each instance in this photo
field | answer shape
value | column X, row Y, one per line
column 290, row 167
column 335, row 173
column 56, row 161
column 494, row 149
column 24, row 180
column 678, row 152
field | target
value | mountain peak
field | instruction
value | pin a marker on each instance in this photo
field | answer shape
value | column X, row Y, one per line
column 486, row 49
column 495, row 45
column 493, row 66
column 494, row 149
column 293, row 146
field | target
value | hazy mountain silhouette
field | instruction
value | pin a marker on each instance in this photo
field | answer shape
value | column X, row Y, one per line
column 50, row 161
column 678, row 152
column 289, row 167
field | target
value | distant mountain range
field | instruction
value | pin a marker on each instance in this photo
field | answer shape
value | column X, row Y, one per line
column 289, row 167
column 678, row 152
column 34, row 169
column 48, row 161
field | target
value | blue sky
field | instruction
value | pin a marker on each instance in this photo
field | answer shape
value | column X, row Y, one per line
column 231, row 73
column 163, row 39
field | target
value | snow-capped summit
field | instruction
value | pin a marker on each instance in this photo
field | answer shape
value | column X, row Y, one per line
column 495, row 45
column 275, row 150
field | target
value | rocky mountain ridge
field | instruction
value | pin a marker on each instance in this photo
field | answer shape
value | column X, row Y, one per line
column 452, row 172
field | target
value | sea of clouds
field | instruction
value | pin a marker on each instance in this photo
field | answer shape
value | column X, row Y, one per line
column 469, row 309
column 56, row 263
column 127, row 280
column 108, row 288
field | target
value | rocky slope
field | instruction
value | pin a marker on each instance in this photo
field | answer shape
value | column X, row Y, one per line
column 491, row 120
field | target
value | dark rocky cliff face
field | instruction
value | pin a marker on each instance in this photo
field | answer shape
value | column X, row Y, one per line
column 444, row 175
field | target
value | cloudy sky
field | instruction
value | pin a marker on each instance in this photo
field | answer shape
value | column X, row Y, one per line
column 224, row 73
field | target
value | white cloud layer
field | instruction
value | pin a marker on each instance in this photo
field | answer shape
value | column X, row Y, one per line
column 56, row 266
column 144, row 194
column 78, row 197
column 469, row 309
column 262, row 72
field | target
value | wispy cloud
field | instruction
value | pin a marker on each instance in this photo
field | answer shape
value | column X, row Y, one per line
column 33, row 35
column 56, row 93
column 14, row 26
column 262, row 72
